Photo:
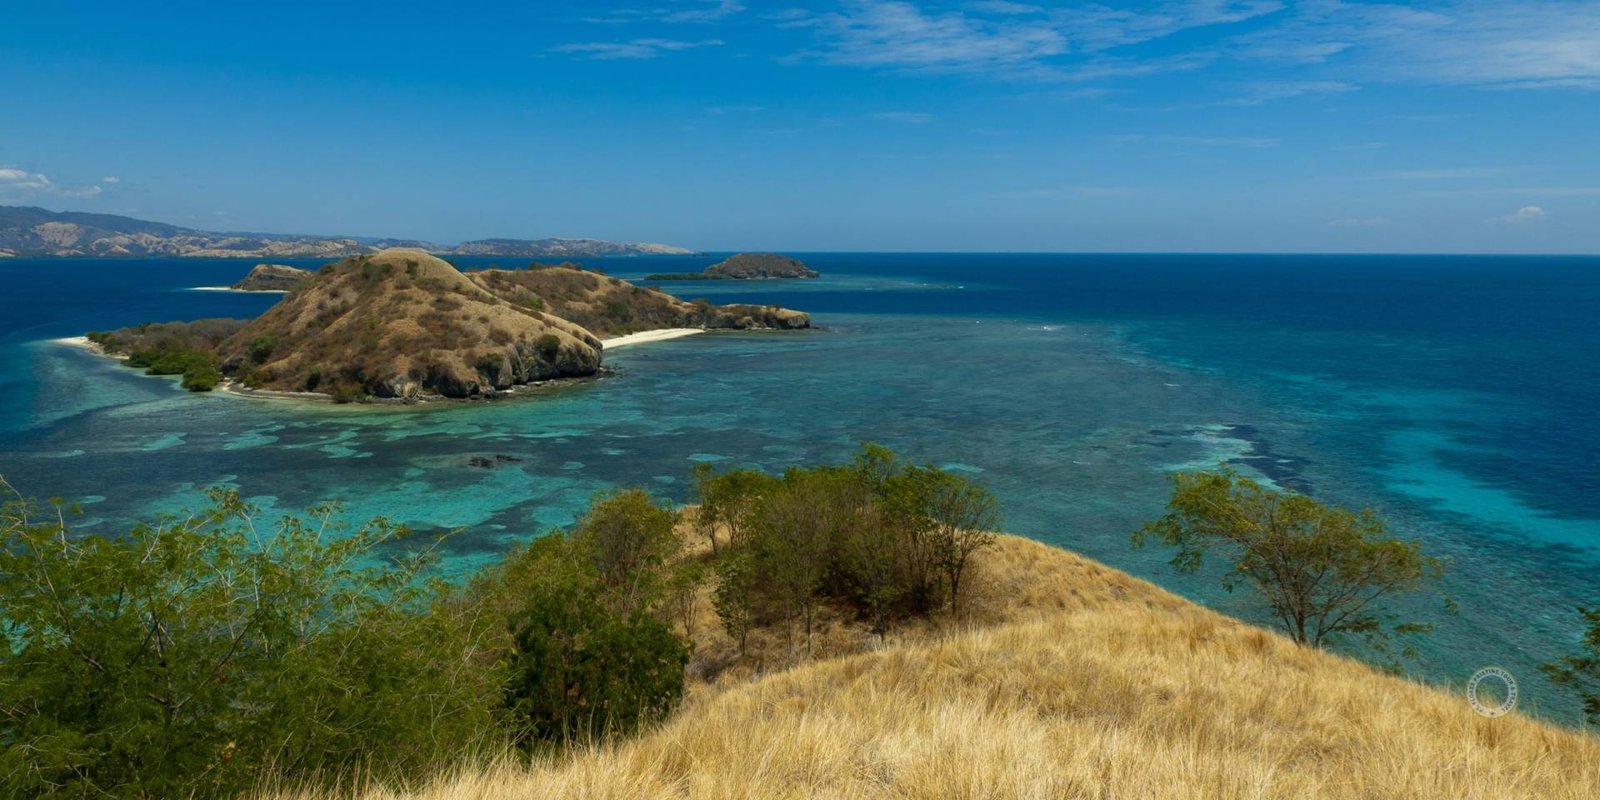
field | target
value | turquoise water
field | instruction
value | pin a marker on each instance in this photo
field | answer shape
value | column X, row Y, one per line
column 1455, row 395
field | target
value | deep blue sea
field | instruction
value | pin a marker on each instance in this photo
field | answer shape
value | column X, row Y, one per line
column 1457, row 395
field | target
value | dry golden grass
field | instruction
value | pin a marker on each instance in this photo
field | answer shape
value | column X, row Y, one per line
column 1065, row 678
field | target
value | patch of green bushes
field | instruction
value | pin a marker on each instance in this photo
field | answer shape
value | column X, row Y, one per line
column 206, row 653
column 198, row 368
column 549, row 346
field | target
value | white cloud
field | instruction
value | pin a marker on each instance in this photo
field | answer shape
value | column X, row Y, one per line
column 703, row 11
column 634, row 49
column 1006, row 7
column 15, row 180
column 1017, row 41
column 1522, row 216
column 12, row 178
column 111, row 179
column 899, row 35
column 1489, row 43
column 909, row 117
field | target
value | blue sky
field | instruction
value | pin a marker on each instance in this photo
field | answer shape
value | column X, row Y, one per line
column 1190, row 125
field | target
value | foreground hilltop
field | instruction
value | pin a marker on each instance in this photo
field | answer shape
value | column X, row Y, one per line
column 30, row 232
column 402, row 324
column 1067, row 678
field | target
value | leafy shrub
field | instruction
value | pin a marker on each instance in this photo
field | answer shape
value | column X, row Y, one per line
column 582, row 669
column 188, row 657
column 201, row 378
column 261, row 349
column 1581, row 672
column 886, row 538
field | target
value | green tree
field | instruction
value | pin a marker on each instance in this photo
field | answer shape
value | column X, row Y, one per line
column 726, row 501
column 1325, row 572
column 956, row 515
column 734, row 597
column 792, row 531
column 632, row 541
column 186, row 657
column 1581, row 672
column 581, row 666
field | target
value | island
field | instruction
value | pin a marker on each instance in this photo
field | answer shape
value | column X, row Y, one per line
column 272, row 278
column 404, row 325
column 744, row 267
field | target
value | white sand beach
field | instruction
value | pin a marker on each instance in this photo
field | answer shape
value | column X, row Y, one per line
column 649, row 336
column 239, row 291
column 77, row 341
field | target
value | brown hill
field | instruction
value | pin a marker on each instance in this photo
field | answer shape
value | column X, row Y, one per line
column 610, row 306
column 402, row 324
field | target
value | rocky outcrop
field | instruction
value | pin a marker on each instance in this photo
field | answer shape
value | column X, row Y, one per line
column 756, row 266
column 273, row 278
column 744, row 266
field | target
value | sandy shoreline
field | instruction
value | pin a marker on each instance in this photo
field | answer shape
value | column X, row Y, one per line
column 642, row 337
column 238, row 291
column 81, row 342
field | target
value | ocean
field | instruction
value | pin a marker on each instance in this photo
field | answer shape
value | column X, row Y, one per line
column 1456, row 395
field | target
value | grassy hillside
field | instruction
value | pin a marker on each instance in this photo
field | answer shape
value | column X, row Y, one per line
column 1063, row 678
column 610, row 306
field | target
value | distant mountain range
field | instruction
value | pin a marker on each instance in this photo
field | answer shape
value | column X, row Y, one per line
column 30, row 231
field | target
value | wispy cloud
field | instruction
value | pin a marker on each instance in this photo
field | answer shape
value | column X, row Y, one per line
column 899, row 35
column 20, row 181
column 1267, row 91
column 1522, row 216
column 1359, row 222
column 633, row 49
column 1012, row 40
column 1199, row 141
column 1508, row 45
column 1338, row 46
column 696, row 11
column 12, row 178
column 909, row 117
